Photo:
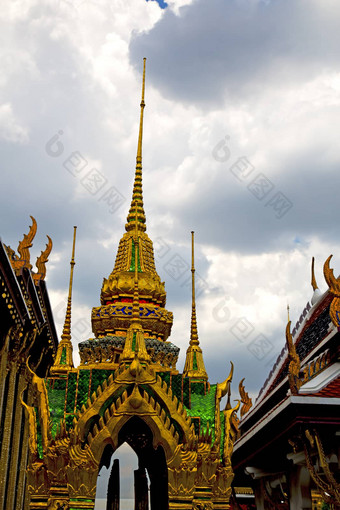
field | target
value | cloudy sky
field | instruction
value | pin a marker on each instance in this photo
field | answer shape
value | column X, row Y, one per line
column 240, row 145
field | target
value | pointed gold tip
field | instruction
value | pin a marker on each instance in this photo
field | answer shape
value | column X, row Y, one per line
column 137, row 193
column 194, row 332
column 143, row 84
column 288, row 312
column 313, row 281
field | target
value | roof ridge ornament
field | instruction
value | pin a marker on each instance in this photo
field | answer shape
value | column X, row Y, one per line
column 24, row 247
column 294, row 362
column 42, row 261
column 334, row 288
column 316, row 294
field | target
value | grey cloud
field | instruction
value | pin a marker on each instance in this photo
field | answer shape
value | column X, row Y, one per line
column 221, row 48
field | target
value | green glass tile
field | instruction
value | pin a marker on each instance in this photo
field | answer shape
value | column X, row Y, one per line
column 132, row 266
column 194, row 364
column 71, row 392
column 176, row 386
column 83, row 387
column 186, row 391
column 63, row 357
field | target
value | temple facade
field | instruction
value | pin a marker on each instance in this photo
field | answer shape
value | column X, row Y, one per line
column 126, row 389
column 60, row 424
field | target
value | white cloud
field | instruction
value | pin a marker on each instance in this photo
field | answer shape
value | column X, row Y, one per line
column 10, row 129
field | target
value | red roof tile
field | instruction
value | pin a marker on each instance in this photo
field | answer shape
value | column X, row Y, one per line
column 332, row 390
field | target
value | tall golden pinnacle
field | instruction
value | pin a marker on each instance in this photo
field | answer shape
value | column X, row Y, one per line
column 194, row 364
column 64, row 359
column 137, row 194
column 144, row 292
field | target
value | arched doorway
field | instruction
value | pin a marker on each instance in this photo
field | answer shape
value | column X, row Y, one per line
column 151, row 476
column 116, row 477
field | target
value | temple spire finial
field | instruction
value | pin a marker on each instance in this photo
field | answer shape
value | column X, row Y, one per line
column 64, row 357
column 137, row 194
column 194, row 364
column 67, row 324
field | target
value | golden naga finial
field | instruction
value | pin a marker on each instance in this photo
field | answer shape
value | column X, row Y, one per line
column 294, row 363
column 222, row 388
column 334, row 288
column 24, row 246
column 245, row 399
column 194, row 364
column 137, row 194
column 42, row 260
column 316, row 294
column 313, row 281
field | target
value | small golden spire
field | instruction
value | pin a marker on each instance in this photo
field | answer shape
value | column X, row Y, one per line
column 137, row 194
column 64, row 359
column 194, row 364
column 66, row 335
column 288, row 312
column 313, row 282
column 193, row 330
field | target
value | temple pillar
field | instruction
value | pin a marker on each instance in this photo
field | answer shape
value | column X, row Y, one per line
column 22, row 492
column 16, row 445
column 3, row 370
column 300, row 497
column 259, row 495
column 8, row 409
column 113, row 489
column 141, row 490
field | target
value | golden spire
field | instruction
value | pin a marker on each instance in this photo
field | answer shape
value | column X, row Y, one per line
column 137, row 194
column 288, row 312
column 64, row 360
column 145, row 290
column 194, row 364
